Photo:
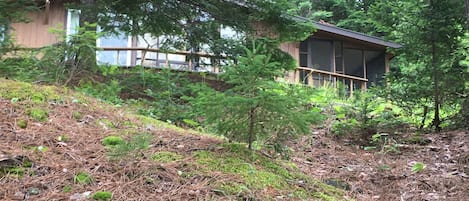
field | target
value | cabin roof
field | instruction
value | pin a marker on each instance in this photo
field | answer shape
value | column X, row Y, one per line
column 349, row 33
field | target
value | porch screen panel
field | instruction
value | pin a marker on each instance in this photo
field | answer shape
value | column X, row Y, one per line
column 353, row 61
column 304, row 54
column 338, row 57
column 375, row 66
column 321, row 54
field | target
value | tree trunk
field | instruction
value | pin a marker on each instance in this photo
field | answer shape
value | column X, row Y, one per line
column 436, row 80
column 251, row 127
column 467, row 14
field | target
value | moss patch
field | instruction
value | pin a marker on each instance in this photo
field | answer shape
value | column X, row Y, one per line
column 165, row 157
column 38, row 114
column 257, row 173
column 112, row 141
column 21, row 91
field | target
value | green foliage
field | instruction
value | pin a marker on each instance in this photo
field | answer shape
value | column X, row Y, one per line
column 418, row 167
column 102, row 195
column 21, row 91
column 195, row 23
column 367, row 114
column 76, row 115
column 82, row 178
column 75, row 55
column 112, row 141
column 11, row 12
column 256, row 173
column 22, row 123
column 166, row 89
column 109, row 92
column 38, row 114
column 23, row 67
column 165, row 157
column 138, row 142
column 67, row 189
column 257, row 108
column 429, row 75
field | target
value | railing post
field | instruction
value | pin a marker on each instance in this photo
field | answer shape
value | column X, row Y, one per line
column 166, row 60
column 310, row 78
column 297, row 76
column 351, row 87
column 118, row 58
column 144, row 54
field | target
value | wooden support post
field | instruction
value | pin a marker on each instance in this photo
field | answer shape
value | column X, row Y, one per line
column 351, row 87
column 118, row 57
column 297, row 76
column 364, row 71
column 166, row 62
column 144, row 54
column 310, row 78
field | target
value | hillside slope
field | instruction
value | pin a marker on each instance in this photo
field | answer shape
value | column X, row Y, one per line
column 53, row 146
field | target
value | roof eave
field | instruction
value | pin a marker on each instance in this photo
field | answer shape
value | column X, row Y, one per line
column 355, row 35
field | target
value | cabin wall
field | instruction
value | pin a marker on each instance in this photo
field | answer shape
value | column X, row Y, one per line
column 292, row 48
column 35, row 34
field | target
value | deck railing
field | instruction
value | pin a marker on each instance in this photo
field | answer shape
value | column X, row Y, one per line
column 155, row 57
column 315, row 77
column 208, row 62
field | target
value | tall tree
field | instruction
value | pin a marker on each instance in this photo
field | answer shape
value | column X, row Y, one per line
column 196, row 22
column 428, row 74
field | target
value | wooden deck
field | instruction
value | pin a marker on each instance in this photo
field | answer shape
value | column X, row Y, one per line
column 211, row 63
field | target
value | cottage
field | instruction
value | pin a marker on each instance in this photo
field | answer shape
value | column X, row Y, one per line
column 331, row 55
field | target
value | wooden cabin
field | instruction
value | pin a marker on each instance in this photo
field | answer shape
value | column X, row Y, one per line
column 334, row 55
column 52, row 15
column 329, row 57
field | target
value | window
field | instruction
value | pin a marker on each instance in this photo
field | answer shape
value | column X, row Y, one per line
column 73, row 22
column 3, row 33
column 121, row 58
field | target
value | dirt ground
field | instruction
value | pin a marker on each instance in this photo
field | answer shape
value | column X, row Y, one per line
column 381, row 175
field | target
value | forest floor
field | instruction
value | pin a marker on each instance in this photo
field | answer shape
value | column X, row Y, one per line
column 387, row 174
column 50, row 136
column 52, row 148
